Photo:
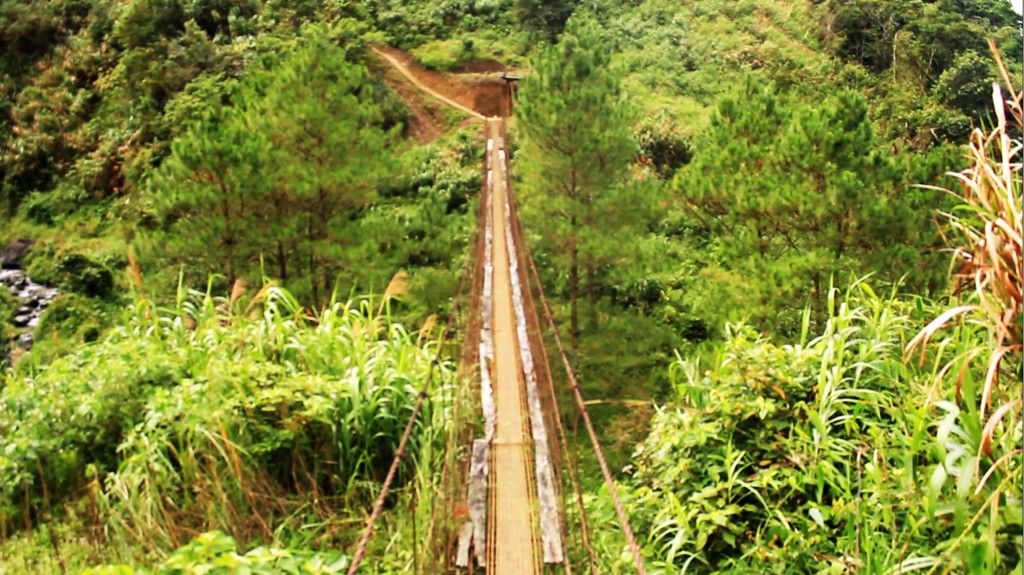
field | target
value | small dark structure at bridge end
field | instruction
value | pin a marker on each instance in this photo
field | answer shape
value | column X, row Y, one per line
column 512, row 84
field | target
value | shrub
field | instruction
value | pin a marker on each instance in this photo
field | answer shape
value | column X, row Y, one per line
column 821, row 455
column 82, row 275
column 48, row 207
column 203, row 417
column 439, row 54
column 215, row 553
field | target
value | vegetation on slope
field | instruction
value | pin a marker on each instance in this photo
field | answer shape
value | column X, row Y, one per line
column 243, row 415
column 743, row 159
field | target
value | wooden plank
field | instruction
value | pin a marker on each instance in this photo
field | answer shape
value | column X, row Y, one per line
column 478, row 471
column 550, row 524
column 513, row 548
column 465, row 537
column 486, row 394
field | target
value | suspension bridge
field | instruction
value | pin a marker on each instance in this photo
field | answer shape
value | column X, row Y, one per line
column 518, row 478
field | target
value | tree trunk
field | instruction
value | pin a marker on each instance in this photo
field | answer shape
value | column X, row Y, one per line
column 313, row 270
column 282, row 265
column 591, row 296
column 574, row 284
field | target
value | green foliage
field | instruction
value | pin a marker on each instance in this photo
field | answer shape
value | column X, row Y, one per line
column 544, row 19
column 281, row 174
column 8, row 305
column 813, row 457
column 215, row 553
column 443, row 54
column 798, row 196
column 70, row 321
column 967, row 83
column 82, row 275
column 411, row 23
column 576, row 147
column 48, row 208
column 934, row 49
column 662, row 144
column 203, row 416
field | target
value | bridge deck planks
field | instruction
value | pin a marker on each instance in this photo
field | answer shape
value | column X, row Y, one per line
column 515, row 550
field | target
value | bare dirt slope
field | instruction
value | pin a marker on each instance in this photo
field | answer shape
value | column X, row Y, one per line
column 476, row 90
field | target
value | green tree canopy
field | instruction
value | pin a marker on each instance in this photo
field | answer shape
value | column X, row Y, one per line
column 795, row 195
column 577, row 144
column 281, row 174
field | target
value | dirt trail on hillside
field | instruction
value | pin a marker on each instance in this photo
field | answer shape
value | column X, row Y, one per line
column 404, row 69
column 475, row 89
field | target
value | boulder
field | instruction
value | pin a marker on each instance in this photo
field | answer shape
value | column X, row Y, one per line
column 14, row 253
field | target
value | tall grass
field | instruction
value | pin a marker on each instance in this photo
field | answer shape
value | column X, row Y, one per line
column 255, row 416
column 839, row 455
column 823, row 457
column 985, row 234
column 981, row 424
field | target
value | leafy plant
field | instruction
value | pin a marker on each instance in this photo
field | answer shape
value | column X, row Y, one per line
column 986, row 238
column 816, row 457
column 248, row 415
column 215, row 553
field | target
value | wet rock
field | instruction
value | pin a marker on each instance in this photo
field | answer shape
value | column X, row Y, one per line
column 34, row 300
column 14, row 253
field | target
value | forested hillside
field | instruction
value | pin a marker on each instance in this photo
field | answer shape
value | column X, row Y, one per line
column 236, row 233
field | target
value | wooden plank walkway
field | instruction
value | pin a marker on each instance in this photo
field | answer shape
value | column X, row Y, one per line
column 515, row 550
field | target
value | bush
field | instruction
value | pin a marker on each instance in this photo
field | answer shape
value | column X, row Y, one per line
column 810, row 457
column 68, row 322
column 202, row 417
column 215, row 553
column 439, row 54
column 662, row 145
column 48, row 207
column 8, row 305
column 82, row 275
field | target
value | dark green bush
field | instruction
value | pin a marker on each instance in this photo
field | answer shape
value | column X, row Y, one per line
column 85, row 276
column 48, row 207
column 71, row 320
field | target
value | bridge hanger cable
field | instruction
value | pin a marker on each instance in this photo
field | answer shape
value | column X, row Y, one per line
column 572, row 464
column 627, row 531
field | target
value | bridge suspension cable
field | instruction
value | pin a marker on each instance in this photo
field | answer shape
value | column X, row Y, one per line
column 627, row 531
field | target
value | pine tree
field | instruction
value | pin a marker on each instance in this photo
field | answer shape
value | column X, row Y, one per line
column 208, row 194
column 282, row 175
column 577, row 144
column 794, row 196
column 329, row 150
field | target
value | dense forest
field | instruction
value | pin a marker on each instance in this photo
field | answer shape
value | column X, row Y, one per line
column 782, row 239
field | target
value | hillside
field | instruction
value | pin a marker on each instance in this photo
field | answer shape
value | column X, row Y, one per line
column 237, row 229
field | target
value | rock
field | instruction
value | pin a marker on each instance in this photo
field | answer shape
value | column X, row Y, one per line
column 34, row 299
column 14, row 253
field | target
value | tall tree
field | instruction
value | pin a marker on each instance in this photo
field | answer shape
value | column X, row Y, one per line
column 282, row 174
column 208, row 193
column 794, row 195
column 577, row 143
column 329, row 151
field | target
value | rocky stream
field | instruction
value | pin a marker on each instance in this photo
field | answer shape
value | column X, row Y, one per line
column 34, row 297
